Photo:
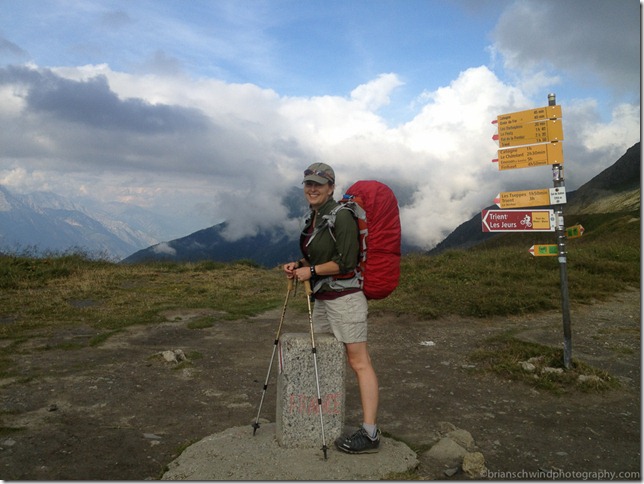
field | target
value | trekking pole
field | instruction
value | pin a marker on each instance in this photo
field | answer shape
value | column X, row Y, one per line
column 270, row 365
column 307, row 287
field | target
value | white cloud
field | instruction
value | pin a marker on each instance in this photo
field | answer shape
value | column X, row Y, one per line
column 203, row 149
column 375, row 94
column 218, row 150
column 164, row 248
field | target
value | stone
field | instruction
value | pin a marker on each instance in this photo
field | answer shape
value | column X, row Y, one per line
column 462, row 438
column 447, row 452
column 527, row 366
column 550, row 369
column 173, row 356
column 298, row 410
column 237, row 455
column 451, row 471
column 474, row 465
column 446, row 427
column 589, row 378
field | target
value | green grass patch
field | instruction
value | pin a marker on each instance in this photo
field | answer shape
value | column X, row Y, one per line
column 6, row 431
column 500, row 278
column 101, row 338
column 539, row 366
column 40, row 296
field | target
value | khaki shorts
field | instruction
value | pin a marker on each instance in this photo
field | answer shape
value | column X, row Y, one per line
column 345, row 317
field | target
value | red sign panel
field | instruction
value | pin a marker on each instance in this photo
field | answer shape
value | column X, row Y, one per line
column 518, row 220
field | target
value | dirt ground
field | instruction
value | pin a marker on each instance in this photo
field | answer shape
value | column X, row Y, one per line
column 119, row 411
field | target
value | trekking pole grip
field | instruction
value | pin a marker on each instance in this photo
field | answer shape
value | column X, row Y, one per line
column 290, row 284
column 307, row 288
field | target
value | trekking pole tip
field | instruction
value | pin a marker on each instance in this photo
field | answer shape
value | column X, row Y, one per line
column 324, row 449
column 255, row 427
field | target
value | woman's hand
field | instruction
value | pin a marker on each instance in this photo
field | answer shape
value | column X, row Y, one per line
column 294, row 270
column 302, row 274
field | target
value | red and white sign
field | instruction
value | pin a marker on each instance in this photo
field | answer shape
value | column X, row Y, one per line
column 518, row 220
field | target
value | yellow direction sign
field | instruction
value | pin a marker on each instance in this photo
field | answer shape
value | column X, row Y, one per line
column 536, row 114
column 531, row 198
column 530, row 133
column 574, row 231
column 528, row 156
column 543, row 250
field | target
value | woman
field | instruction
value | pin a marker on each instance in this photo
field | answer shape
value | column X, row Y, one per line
column 330, row 258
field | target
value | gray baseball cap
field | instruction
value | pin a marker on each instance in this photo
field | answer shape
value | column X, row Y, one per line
column 319, row 173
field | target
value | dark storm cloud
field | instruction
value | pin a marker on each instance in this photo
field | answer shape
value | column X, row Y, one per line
column 93, row 103
column 583, row 37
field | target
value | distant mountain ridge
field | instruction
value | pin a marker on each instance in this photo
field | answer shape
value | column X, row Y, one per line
column 265, row 248
column 45, row 222
column 616, row 189
column 41, row 222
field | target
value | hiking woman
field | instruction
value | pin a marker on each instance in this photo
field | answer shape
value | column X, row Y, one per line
column 329, row 262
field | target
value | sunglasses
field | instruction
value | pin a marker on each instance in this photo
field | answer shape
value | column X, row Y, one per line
column 319, row 173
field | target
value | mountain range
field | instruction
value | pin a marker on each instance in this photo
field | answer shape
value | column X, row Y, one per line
column 41, row 223
column 616, row 189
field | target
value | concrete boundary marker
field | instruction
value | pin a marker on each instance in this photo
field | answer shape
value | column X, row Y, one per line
column 297, row 410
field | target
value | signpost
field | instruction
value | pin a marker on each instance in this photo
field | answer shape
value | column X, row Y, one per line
column 530, row 133
column 518, row 220
column 531, row 198
column 537, row 114
column 527, row 139
column 528, row 156
column 543, row 250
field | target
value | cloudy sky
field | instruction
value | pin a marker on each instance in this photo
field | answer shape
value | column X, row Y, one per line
column 209, row 110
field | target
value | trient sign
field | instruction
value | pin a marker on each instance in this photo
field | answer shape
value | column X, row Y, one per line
column 529, row 133
column 528, row 156
column 543, row 250
column 518, row 220
column 531, row 115
column 531, row 198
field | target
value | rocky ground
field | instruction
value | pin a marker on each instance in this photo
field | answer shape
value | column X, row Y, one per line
column 121, row 411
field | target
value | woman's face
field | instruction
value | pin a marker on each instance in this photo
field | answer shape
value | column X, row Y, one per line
column 317, row 194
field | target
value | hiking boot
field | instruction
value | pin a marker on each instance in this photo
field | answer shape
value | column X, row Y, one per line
column 359, row 442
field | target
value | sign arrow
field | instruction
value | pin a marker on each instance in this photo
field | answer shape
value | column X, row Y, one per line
column 530, row 115
column 518, row 220
column 575, row 231
column 528, row 156
column 531, row 198
column 543, row 250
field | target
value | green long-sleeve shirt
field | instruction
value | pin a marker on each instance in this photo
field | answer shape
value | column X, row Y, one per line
column 344, row 250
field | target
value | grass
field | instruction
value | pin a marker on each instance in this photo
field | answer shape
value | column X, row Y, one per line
column 500, row 277
column 497, row 278
column 40, row 294
column 539, row 366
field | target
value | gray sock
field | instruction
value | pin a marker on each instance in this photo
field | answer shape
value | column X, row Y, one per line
column 371, row 430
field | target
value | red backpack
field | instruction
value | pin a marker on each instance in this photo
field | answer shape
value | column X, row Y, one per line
column 376, row 209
